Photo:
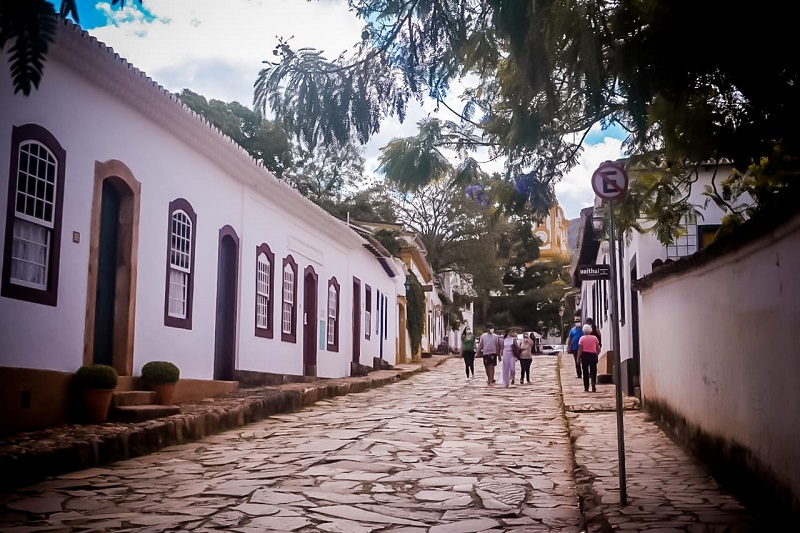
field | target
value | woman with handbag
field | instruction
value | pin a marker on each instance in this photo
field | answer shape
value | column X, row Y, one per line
column 526, row 358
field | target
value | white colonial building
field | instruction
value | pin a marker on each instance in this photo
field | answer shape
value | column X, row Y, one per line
column 133, row 230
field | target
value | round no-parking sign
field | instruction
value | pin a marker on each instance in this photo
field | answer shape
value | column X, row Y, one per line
column 610, row 181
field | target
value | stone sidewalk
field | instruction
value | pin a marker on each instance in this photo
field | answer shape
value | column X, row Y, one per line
column 667, row 490
column 571, row 478
column 31, row 456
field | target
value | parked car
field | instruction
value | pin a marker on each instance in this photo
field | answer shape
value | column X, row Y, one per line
column 552, row 349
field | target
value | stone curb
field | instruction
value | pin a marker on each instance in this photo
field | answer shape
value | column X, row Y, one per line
column 30, row 457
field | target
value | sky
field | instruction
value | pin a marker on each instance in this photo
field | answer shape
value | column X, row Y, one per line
column 216, row 48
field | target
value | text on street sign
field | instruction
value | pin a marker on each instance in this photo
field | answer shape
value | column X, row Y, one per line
column 590, row 272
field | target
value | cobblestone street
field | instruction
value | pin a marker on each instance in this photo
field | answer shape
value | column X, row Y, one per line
column 435, row 453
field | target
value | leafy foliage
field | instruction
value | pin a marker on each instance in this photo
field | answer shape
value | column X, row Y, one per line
column 96, row 377
column 160, row 372
column 265, row 140
column 415, row 311
column 327, row 175
column 542, row 72
column 29, row 27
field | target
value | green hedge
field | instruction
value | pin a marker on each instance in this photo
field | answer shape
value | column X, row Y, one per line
column 96, row 377
column 160, row 372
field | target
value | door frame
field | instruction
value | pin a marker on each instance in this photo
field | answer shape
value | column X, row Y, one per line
column 129, row 189
column 227, row 359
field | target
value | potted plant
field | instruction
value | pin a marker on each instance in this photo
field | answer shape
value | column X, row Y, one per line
column 161, row 377
column 97, row 383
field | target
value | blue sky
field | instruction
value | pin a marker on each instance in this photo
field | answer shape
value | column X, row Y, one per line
column 216, row 48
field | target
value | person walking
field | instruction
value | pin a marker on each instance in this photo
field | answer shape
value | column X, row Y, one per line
column 572, row 343
column 468, row 351
column 525, row 358
column 588, row 347
column 489, row 346
column 596, row 333
column 510, row 354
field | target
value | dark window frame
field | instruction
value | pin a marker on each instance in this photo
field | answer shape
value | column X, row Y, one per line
column 269, row 331
column 292, row 335
column 48, row 296
column 180, row 204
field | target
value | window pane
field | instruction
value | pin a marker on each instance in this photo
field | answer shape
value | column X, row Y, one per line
column 36, row 175
column 178, row 285
column 181, row 241
column 261, row 312
column 287, row 318
column 30, row 250
column 262, row 292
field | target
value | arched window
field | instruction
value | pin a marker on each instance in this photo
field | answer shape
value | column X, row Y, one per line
column 33, row 216
column 180, row 264
column 264, row 289
column 333, row 315
column 289, row 308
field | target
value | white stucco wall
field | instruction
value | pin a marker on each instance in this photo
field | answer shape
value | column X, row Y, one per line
column 718, row 347
column 93, row 124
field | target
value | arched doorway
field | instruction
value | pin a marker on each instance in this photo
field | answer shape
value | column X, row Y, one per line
column 309, row 322
column 113, row 254
column 227, row 296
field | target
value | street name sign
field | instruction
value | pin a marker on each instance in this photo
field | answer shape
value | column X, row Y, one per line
column 590, row 272
column 610, row 181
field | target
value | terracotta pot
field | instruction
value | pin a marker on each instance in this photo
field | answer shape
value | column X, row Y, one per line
column 96, row 402
column 165, row 393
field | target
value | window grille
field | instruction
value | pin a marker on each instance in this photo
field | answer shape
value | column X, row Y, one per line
column 288, row 299
column 34, row 210
column 262, row 292
column 332, row 309
column 180, row 262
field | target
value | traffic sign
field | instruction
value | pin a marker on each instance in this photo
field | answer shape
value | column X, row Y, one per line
column 610, row 181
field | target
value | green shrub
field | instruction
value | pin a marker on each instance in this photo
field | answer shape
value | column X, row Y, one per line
column 96, row 377
column 160, row 372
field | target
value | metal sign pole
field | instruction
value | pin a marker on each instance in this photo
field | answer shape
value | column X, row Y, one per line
column 623, row 491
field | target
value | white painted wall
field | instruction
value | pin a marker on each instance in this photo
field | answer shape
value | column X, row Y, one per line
column 93, row 124
column 718, row 347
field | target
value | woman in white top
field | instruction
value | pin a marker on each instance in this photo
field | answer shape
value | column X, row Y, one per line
column 511, row 352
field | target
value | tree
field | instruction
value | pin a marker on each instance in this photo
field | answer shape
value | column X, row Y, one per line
column 324, row 173
column 330, row 176
column 546, row 71
column 266, row 141
column 541, row 73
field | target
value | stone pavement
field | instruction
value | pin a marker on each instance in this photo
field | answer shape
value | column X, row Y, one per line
column 436, row 453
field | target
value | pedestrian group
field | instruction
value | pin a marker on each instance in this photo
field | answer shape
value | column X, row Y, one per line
column 583, row 342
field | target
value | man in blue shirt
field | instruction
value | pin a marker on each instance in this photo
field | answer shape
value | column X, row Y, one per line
column 574, row 336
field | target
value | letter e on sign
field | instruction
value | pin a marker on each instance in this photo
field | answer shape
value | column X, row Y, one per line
column 610, row 181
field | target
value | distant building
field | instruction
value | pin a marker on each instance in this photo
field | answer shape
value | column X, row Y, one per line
column 553, row 234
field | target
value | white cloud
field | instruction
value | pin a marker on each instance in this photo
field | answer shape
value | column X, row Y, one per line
column 574, row 191
column 207, row 40
column 216, row 49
